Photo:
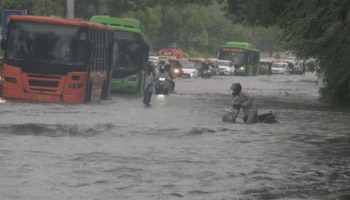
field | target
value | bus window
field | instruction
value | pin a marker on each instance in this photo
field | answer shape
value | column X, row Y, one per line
column 49, row 43
column 236, row 58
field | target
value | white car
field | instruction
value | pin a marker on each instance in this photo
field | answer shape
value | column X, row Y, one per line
column 280, row 68
column 225, row 67
column 154, row 60
column 189, row 69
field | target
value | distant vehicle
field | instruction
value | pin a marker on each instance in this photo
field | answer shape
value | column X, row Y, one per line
column 189, row 69
column 176, row 68
column 214, row 70
column 225, row 67
column 207, row 73
column 170, row 52
column 57, row 60
column 244, row 57
column 163, row 60
column 280, row 68
column 162, row 85
column 291, row 59
column 297, row 69
column 154, row 60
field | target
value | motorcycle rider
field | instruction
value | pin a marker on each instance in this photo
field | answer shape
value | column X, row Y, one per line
column 246, row 102
column 205, row 70
column 162, row 73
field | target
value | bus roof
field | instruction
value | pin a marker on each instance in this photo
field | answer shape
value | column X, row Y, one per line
column 240, row 45
column 57, row 20
column 122, row 24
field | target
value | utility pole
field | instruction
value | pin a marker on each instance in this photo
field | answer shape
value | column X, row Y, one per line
column 70, row 9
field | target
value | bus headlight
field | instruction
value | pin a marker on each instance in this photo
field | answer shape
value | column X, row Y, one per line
column 10, row 79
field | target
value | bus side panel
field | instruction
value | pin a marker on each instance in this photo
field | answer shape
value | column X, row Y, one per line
column 36, row 87
column 12, row 86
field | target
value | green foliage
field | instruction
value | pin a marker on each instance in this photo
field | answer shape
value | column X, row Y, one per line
column 192, row 28
column 36, row 7
column 320, row 35
column 150, row 19
column 49, row 7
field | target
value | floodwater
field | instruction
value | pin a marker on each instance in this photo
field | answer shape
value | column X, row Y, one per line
column 178, row 148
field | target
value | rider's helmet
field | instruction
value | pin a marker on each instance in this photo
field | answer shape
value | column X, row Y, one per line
column 236, row 88
column 161, row 68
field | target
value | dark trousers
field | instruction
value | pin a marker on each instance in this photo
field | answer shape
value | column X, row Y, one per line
column 147, row 97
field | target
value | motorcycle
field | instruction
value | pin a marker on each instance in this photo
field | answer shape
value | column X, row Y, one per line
column 206, row 73
column 268, row 117
column 162, row 86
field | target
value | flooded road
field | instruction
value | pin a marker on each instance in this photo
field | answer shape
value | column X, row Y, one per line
column 178, row 148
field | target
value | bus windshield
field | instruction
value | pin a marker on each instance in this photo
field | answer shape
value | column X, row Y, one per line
column 46, row 43
column 237, row 58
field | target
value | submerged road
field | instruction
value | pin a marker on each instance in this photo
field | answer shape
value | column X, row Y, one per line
column 178, row 148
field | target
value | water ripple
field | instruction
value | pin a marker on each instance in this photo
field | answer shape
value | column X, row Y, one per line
column 55, row 130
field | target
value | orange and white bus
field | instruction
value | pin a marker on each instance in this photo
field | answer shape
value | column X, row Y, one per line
column 57, row 60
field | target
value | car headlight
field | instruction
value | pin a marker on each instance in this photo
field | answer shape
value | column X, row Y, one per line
column 242, row 68
column 176, row 71
column 162, row 79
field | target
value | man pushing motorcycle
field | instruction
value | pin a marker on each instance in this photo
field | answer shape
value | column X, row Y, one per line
column 245, row 101
column 241, row 100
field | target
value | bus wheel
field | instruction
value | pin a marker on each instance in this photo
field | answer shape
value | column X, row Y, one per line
column 104, row 94
column 88, row 92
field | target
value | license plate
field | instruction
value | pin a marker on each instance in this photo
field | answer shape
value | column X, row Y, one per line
column 43, row 97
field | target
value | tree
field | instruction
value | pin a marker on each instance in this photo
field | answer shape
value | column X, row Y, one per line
column 312, row 29
column 49, row 8
column 36, row 7
column 150, row 20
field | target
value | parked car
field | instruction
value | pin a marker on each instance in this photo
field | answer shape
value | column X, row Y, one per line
column 225, row 67
column 280, row 68
column 189, row 69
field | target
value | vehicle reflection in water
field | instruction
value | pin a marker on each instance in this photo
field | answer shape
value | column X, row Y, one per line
column 179, row 147
column 2, row 101
column 161, row 99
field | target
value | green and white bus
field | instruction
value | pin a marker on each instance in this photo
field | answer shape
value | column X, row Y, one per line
column 132, row 53
column 243, row 56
